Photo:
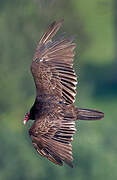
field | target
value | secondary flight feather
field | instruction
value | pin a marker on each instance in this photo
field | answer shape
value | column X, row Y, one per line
column 53, row 111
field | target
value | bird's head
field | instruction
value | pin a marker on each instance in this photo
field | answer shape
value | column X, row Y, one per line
column 27, row 117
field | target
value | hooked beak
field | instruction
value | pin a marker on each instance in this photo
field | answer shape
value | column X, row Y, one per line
column 26, row 118
column 25, row 121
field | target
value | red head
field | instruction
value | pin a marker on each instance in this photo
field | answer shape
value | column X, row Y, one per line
column 26, row 118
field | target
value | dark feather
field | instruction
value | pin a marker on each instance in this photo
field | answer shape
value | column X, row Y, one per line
column 53, row 111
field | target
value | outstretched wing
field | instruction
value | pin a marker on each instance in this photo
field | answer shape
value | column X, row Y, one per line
column 53, row 133
column 52, row 69
column 52, row 66
column 55, row 80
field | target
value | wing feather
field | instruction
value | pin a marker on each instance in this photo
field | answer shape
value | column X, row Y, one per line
column 52, row 65
column 51, row 31
column 54, row 76
column 54, row 142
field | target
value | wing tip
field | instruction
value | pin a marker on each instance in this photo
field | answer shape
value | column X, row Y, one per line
column 69, row 163
column 51, row 31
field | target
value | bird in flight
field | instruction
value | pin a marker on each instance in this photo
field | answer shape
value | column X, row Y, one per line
column 53, row 111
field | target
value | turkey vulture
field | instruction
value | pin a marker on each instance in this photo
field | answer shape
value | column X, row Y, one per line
column 53, row 111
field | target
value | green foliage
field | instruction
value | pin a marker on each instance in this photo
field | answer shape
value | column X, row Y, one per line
column 21, row 26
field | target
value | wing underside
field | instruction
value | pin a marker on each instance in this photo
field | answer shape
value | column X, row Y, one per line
column 53, row 73
column 56, row 147
column 52, row 66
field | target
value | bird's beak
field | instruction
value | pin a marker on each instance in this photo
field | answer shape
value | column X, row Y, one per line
column 26, row 118
column 25, row 121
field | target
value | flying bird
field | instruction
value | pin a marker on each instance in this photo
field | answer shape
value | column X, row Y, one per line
column 53, row 111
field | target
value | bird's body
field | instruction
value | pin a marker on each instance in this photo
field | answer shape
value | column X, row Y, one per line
column 53, row 112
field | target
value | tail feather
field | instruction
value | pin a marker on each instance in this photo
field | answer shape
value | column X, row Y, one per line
column 89, row 114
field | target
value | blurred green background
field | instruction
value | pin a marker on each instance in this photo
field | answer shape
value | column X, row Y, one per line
column 22, row 22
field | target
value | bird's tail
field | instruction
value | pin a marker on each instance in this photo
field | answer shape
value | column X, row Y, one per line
column 89, row 114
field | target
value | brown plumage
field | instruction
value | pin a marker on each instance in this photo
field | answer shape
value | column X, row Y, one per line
column 53, row 112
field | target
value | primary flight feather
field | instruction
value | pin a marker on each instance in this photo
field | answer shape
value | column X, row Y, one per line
column 53, row 112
